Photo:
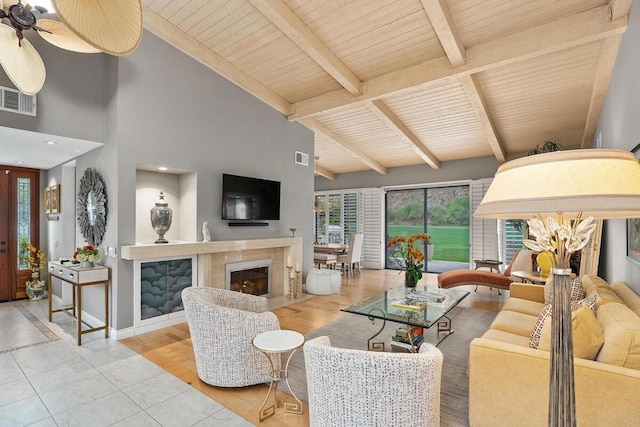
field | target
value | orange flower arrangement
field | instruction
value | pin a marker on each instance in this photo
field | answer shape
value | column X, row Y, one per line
column 412, row 256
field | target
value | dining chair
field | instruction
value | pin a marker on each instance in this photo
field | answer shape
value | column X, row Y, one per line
column 351, row 259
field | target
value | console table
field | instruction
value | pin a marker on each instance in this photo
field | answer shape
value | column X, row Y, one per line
column 80, row 277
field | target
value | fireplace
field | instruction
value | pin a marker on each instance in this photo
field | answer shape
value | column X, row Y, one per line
column 251, row 277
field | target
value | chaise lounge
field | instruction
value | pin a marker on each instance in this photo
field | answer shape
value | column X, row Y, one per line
column 522, row 260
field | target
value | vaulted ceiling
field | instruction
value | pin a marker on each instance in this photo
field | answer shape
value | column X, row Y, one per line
column 389, row 83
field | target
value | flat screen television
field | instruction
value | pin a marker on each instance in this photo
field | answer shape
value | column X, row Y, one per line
column 250, row 199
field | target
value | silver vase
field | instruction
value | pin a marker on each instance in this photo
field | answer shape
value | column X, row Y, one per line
column 161, row 216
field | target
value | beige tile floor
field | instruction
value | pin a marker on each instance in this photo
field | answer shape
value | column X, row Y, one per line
column 47, row 380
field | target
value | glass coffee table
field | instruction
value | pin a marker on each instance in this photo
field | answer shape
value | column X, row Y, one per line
column 419, row 307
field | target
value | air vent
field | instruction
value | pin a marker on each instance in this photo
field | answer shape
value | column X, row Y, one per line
column 17, row 102
column 302, row 158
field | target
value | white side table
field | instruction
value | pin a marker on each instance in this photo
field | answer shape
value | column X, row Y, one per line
column 273, row 344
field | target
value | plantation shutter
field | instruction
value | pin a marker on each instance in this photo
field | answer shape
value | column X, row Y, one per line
column 320, row 218
column 349, row 215
column 484, row 232
column 512, row 230
column 370, row 205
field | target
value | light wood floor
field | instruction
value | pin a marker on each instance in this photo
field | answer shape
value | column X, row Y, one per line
column 171, row 347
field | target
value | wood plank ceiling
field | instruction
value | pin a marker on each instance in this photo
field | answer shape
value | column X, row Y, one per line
column 389, row 83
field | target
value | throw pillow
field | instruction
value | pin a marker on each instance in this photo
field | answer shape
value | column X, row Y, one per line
column 534, row 339
column 545, row 317
column 588, row 335
column 577, row 292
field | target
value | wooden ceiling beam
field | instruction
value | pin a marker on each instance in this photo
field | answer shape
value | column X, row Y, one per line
column 619, row 8
column 560, row 34
column 314, row 124
column 442, row 23
column 479, row 103
column 384, row 113
column 326, row 173
column 282, row 17
column 607, row 59
column 185, row 43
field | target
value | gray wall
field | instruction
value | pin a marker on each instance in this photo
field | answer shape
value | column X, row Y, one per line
column 484, row 167
column 620, row 129
column 158, row 106
column 71, row 102
column 58, row 236
column 170, row 110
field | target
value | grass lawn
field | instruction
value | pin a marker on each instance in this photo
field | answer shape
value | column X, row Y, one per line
column 450, row 243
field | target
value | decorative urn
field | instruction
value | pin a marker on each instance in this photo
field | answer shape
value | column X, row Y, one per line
column 161, row 216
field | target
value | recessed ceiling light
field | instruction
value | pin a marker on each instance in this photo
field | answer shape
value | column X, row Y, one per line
column 18, row 162
column 163, row 168
column 51, row 142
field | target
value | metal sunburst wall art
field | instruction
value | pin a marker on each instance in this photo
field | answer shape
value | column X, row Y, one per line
column 91, row 207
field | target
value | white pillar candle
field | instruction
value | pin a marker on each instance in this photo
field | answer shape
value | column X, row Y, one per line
column 289, row 261
column 292, row 274
column 298, row 267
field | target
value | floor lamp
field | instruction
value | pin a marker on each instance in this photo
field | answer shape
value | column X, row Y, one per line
column 561, row 194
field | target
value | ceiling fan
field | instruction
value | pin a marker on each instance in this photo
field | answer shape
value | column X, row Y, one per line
column 88, row 26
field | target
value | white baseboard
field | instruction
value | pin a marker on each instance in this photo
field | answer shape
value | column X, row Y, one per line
column 143, row 329
column 120, row 334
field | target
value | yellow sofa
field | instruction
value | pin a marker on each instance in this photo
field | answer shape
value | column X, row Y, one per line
column 509, row 381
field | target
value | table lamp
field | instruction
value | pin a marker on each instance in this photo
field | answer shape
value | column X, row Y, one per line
column 570, row 189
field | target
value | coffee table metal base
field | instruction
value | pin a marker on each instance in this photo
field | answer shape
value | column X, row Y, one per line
column 444, row 326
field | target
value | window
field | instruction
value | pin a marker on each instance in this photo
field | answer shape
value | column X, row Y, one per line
column 23, row 217
column 349, row 215
column 443, row 213
column 328, row 216
column 340, row 214
column 512, row 238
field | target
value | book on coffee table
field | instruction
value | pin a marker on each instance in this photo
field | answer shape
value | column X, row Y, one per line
column 409, row 304
column 427, row 296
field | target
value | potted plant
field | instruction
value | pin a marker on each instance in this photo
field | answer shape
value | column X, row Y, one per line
column 547, row 147
column 35, row 259
column 411, row 255
column 87, row 255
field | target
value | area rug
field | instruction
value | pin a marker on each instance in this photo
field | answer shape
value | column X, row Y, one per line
column 22, row 328
column 353, row 331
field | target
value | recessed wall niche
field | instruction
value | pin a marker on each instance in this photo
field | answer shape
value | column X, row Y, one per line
column 180, row 190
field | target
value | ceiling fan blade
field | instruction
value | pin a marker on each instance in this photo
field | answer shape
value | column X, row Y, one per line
column 113, row 26
column 62, row 37
column 22, row 64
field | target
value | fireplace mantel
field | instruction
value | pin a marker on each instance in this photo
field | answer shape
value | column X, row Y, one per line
column 213, row 256
column 179, row 248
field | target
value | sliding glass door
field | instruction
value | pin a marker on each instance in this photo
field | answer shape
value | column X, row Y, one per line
column 441, row 212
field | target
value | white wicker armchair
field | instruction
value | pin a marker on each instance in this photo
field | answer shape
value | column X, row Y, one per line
column 364, row 388
column 222, row 325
